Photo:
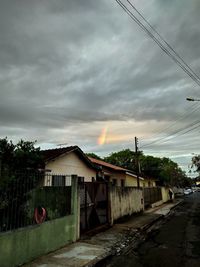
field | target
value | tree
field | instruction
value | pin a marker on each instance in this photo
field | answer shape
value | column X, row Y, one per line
column 6, row 160
column 150, row 166
column 17, row 158
column 26, row 155
column 18, row 177
column 196, row 163
column 124, row 158
column 164, row 170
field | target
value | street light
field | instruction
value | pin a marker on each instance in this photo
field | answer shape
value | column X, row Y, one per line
column 192, row 99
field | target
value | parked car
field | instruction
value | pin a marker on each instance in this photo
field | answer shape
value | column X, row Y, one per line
column 188, row 191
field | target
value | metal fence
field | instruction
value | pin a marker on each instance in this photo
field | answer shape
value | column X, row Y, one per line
column 93, row 205
column 152, row 195
column 23, row 196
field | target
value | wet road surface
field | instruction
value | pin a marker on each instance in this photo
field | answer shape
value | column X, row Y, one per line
column 175, row 243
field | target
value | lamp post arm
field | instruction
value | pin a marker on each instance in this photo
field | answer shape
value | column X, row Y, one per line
column 192, row 99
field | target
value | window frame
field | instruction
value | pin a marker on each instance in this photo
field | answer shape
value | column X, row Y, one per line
column 61, row 182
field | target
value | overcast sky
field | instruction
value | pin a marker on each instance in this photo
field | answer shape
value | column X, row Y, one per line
column 70, row 70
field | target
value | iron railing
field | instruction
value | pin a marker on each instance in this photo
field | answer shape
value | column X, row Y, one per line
column 152, row 195
column 21, row 193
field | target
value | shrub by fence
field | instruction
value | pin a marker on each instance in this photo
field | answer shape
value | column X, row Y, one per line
column 23, row 193
column 27, row 243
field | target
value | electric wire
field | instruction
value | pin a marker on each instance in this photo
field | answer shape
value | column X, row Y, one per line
column 141, row 25
column 184, row 115
column 169, row 127
column 170, row 47
column 174, row 134
column 188, row 131
column 162, row 38
column 174, row 56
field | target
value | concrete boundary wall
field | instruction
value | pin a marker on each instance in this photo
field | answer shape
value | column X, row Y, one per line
column 124, row 201
column 25, row 244
column 165, row 194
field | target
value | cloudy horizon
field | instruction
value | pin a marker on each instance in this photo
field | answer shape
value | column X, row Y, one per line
column 72, row 69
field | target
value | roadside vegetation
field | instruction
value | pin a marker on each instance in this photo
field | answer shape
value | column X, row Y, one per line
column 25, row 156
column 164, row 170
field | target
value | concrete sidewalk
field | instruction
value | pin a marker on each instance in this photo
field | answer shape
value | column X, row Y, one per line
column 91, row 250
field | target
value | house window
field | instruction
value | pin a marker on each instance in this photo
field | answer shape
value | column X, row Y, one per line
column 80, row 179
column 122, row 183
column 58, row 180
column 114, row 181
column 81, row 182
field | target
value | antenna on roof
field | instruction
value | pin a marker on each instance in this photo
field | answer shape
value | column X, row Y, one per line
column 63, row 144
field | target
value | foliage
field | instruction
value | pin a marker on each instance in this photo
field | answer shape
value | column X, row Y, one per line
column 124, row 158
column 164, row 170
column 196, row 163
column 17, row 158
column 18, row 176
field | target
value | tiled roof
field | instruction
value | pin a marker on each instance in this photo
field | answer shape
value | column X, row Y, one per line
column 108, row 165
column 50, row 154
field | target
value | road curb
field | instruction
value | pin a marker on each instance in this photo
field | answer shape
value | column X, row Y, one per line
column 178, row 203
column 148, row 225
column 113, row 251
column 102, row 259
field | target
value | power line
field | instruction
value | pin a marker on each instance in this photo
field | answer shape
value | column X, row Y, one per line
column 174, row 134
column 171, row 126
column 170, row 47
column 173, row 57
column 188, row 131
column 182, row 117
column 162, row 38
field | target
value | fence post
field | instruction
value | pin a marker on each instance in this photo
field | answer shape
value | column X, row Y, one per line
column 143, row 196
column 75, row 205
column 110, row 214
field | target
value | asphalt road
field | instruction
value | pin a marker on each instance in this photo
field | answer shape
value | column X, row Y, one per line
column 176, row 243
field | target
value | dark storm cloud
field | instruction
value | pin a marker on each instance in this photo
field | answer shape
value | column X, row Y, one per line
column 71, row 64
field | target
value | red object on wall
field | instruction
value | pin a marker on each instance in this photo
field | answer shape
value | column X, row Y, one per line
column 40, row 215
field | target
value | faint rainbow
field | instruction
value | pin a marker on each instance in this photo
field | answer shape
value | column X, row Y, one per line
column 102, row 138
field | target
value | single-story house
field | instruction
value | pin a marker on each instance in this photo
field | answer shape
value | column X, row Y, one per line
column 115, row 174
column 120, row 176
column 61, row 163
column 131, row 180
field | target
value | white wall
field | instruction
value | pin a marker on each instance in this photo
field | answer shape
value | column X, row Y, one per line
column 125, row 201
column 165, row 194
column 70, row 164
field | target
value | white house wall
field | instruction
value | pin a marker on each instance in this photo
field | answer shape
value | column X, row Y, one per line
column 71, row 164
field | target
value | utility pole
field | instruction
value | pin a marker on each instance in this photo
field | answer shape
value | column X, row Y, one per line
column 137, row 161
column 0, row 165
